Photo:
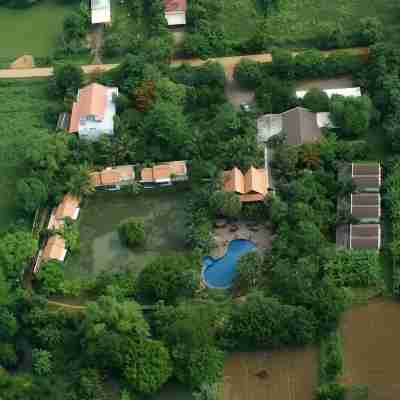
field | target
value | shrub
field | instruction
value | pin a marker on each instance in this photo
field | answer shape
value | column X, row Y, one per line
column 331, row 358
column 132, row 232
column 168, row 278
column 42, row 362
column 248, row 74
column 50, row 278
column 316, row 100
column 332, row 391
column 355, row 268
column 351, row 115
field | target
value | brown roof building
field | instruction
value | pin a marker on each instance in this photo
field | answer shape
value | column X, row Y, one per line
column 165, row 173
column 367, row 176
column 55, row 249
column 366, row 206
column 253, row 186
column 113, row 177
column 299, row 124
column 68, row 208
column 365, row 236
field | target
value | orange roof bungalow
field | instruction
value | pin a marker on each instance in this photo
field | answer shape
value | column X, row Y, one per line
column 164, row 174
column 251, row 187
column 112, row 178
column 54, row 250
column 93, row 112
column 68, row 208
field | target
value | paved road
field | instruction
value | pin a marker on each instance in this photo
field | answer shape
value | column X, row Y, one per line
column 228, row 63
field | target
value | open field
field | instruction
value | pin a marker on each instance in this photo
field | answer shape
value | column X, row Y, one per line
column 22, row 108
column 289, row 375
column 32, row 30
column 298, row 21
column 370, row 346
column 101, row 248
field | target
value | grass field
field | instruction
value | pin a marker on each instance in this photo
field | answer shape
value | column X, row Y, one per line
column 23, row 104
column 33, row 30
column 298, row 21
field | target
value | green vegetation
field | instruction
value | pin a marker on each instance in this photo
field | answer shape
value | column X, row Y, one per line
column 132, row 232
column 32, row 30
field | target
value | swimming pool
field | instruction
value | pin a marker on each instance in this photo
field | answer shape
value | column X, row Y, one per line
column 219, row 273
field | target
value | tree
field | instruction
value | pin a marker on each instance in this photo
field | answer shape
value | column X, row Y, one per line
column 50, row 278
column 166, row 131
column 283, row 64
column 132, row 232
column 207, row 392
column 68, row 78
column 31, row 194
column 352, row 115
column 189, row 332
column 249, row 272
column 42, row 362
column 277, row 94
column 168, row 278
column 90, row 385
column 263, row 322
column 79, row 183
column 106, row 327
column 8, row 355
column 248, row 74
column 226, row 203
column 316, row 100
column 148, row 366
column 16, row 249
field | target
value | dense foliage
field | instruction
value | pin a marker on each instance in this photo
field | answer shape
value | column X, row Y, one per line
column 132, row 232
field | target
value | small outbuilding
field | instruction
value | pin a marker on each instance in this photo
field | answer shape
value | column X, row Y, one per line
column 175, row 12
column 68, row 208
column 100, row 11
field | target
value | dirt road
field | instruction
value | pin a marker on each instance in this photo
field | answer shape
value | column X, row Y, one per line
column 45, row 72
column 228, row 63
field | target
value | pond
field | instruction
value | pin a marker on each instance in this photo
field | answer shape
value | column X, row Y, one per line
column 370, row 336
column 290, row 374
column 100, row 246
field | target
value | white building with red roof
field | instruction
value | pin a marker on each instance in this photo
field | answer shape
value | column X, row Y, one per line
column 175, row 12
column 93, row 112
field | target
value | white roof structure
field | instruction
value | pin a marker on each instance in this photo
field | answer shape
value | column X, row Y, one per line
column 176, row 18
column 324, row 120
column 346, row 92
column 101, row 11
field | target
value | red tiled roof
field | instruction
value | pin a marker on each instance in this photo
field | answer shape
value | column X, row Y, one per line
column 253, row 186
column 92, row 100
column 163, row 171
column 175, row 5
column 55, row 248
column 112, row 175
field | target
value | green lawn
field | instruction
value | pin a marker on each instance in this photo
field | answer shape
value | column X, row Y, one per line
column 298, row 21
column 33, row 30
column 23, row 104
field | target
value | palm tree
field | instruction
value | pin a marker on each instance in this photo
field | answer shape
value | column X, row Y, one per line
column 79, row 184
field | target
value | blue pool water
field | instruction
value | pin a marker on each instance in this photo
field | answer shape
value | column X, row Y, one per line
column 219, row 273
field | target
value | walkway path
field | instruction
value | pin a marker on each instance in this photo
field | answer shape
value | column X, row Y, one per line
column 228, row 63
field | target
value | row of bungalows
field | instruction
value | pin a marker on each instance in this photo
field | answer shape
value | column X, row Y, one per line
column 365, row 208
column 165, row 174
column 55, row 248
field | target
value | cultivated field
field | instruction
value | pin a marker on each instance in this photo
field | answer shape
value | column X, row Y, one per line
column 298, row 21
column 370, row 346
column 276, row 375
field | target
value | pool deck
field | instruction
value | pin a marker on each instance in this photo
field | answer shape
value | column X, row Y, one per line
column 258, row 234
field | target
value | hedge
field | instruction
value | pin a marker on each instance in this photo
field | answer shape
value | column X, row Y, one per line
column 393, row 201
